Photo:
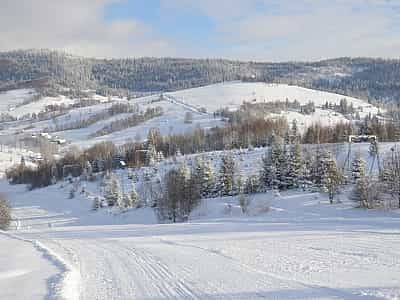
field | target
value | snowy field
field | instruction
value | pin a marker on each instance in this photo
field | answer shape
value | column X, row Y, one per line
column 300, row 248
column 291, row 245
column 232, row 95
column 10, row 99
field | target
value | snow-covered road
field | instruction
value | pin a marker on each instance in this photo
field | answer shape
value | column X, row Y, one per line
column 249, row 260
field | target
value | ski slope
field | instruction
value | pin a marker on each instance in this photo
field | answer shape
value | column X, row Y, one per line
column 24, row 272
column 13, row 98
column 233, row 94
column 293, row 245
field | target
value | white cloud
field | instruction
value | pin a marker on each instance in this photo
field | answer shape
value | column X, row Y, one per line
column 268, row 30
column 77, row 26
column 302, row 29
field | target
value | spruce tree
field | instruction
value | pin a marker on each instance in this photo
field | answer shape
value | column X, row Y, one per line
column 268, row 170
column 112, row 191
column 295, row 164
column 357, row 168
column 332, row 177
column 226, row 175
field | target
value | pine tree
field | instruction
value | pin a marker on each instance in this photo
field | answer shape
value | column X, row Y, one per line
column 251, row 185
column 134, row 197
column 204, row 176
column 227, row 175
column 268, row 170
column 295, row 164
column 295, row 132
column 96, row 203
column 112, row 191
column 151, row 155
column 367, row 192
column 357, row 169
column 332, row 177
column 317, row 168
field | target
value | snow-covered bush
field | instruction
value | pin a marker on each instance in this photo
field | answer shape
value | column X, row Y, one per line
column 244, row 202
column 5, row 213
column 367, row 192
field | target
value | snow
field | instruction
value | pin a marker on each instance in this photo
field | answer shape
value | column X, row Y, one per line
column 233, row 94
column 302, row 248
column 288, row 245
column 24, row 272
column 177, row 104
column 9, row 156
column 40, row 105
column 10, row 99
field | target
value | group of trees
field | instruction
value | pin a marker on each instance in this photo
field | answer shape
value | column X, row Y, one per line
column 115, row 195
column 131, row 121
column 366, row 78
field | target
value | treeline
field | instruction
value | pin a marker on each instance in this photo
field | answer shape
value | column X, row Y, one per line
column 386, row 131
column 114, row 109
column 130, row 121
column 245, row 134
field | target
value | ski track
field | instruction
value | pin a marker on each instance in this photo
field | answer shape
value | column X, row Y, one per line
column 185, row 267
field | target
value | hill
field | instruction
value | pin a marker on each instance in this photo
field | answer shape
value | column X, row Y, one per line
column 372, row 79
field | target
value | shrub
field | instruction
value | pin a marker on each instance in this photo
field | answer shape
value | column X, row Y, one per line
column 5, row 213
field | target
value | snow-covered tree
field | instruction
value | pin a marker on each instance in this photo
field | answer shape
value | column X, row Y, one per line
column 244, row 202
column 268, row 170
column 332, row 177
column 251, row 185
column 112, row 191
column 96, row 203
column 295, row 163
column 226, row 175
column 357, row 168
column 151, row 155
column 5, row 213
column 367, row 192
column 203, row 173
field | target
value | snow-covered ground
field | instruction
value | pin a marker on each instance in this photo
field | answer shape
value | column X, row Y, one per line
column 232, row 95
column 291, row 245
column 25, row 273
column 176, row 105
column 11, row 99
column 300, row 248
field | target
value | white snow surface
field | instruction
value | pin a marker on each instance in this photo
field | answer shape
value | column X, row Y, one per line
column 13, row 98
column 291, row 245
column 233, row 94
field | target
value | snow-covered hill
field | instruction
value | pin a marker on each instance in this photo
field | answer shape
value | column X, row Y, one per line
column 233, row 94
column 175, row 106
column 11, row 99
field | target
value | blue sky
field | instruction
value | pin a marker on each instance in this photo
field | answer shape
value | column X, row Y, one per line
column 267, row 30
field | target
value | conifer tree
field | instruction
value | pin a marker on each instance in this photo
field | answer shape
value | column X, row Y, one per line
column 357, row 168
column 332, row 177
column 112, row 191
column 295, row 164
column 227, row 175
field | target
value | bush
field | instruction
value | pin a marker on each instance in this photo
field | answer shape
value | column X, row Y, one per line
column 5, row 213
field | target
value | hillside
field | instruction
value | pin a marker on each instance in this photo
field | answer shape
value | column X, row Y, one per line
column 373, row 79
column 74, row 124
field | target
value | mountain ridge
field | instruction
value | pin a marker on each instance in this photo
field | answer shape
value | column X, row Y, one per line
column 374, row 79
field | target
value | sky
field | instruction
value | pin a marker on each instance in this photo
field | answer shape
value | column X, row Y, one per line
column 256, row 30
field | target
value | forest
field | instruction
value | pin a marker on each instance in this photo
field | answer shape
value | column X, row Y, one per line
column 52, row 72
